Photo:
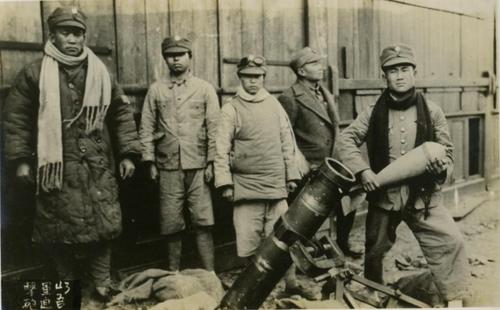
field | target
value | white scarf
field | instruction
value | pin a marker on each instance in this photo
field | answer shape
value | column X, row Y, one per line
column 96, row 101
column 258, row 97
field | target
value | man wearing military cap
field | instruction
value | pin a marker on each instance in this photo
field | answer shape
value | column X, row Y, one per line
column 69, row 104
column 177, row 134
column 313, row 114
column 400, row 120
column 254, row 160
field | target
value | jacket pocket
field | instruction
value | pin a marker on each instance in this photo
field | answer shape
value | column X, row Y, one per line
column 197, row 110
column 167, row 160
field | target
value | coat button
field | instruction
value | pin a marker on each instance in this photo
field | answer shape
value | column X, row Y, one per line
column 99, row 193
column 402, row 117
column 70, row 85
column 83, row 149
column 403, row 152
column 403, row 141
column 98, row 140
column 402, row 129
column 101, row 161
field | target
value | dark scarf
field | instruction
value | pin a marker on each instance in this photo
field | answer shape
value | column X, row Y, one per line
column 378, row 141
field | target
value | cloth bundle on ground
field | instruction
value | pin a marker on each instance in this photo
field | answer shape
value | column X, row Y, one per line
column 420, row 286
column 166, row 285
column 198, row 301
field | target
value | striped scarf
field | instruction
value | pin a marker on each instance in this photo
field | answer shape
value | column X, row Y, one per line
column 96, row 101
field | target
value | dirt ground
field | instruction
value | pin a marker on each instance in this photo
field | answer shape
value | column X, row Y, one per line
column 481, row 229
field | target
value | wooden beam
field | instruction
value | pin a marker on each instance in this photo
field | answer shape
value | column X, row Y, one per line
column 38, row 47
column 346, row 84
column 269, row 62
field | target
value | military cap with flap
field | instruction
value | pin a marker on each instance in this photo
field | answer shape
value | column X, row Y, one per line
column 175, row 44
column 304, row 56
column 252, row 64
column 67, row 16
column 397, row 54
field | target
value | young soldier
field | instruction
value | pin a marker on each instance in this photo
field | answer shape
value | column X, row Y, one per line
column 67, row 103
column 177, row 134
column 254, row 162
column 399, row 121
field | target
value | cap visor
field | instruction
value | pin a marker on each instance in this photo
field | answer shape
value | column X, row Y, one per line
column 71, row 23
column 175, row 49
column 397, row 61
column 252, row 71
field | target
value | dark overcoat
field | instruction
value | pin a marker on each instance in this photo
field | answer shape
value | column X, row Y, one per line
column 315, row 126
column 86, row 209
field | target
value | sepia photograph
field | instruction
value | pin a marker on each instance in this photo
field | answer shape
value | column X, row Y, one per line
column 249, row 154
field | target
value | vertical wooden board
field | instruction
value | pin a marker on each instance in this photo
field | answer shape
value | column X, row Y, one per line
column 450, row 101
column 273, row 49
column 332, row 29
column 457, row 136
column 294, row 37
column 486, row 47
column 157, row 29
column 345, row 31
column 14, row 61
column 362, row 102
column 206, row 58
column 445, row 49
column 346, row 106
column 433, row 57
column 452, row 46
column 367, row 61
column 317, row 25
column 131, row 45
column 1, row 83
column 469, row 60
column 20, row 21
column 384, row 20
column 252, row 31
column 420, row 41
column 470, row 101
column 411, row 33
column 436, row 96
column 355, row 39
column 484, row 103
column 495, row 141
column 181, row 18
column 229, row 40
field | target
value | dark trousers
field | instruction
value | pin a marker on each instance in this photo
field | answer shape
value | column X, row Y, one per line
column 73, row 261
column 344, row 227
column 438, row 236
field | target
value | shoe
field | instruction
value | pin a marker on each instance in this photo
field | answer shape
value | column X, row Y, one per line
column 304, row 292
column 371, row 297
column 104, row 294
column 354, row 252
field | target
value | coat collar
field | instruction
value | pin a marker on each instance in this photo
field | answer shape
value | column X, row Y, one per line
column 305, row 97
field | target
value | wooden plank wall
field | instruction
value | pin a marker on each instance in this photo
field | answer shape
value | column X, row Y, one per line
column 450, row 42
column 452, row 39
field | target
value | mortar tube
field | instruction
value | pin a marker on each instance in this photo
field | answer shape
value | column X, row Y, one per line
column 317, row 200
